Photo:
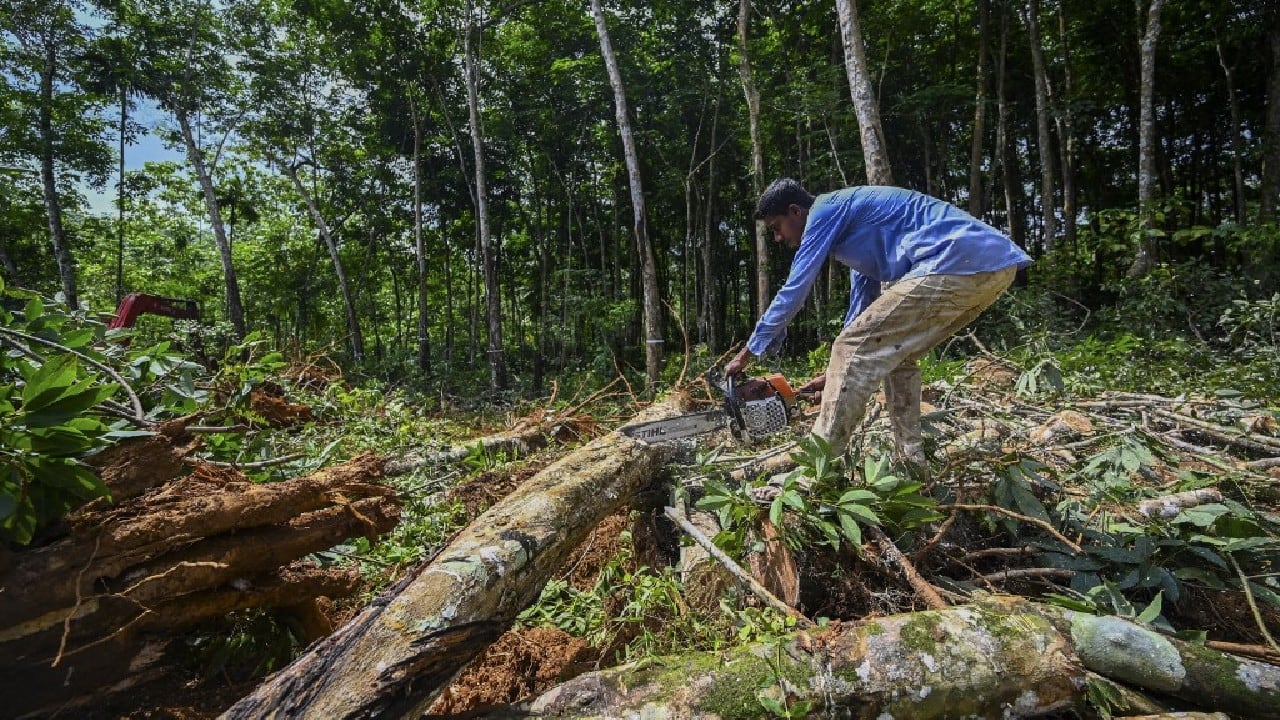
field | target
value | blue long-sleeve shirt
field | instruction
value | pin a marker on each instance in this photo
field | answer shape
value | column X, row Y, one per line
column 883, row 234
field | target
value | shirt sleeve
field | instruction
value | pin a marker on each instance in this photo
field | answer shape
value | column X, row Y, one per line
column 862, row 292
column 812, row 253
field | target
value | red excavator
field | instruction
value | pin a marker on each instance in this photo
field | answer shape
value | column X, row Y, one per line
column 135, row 304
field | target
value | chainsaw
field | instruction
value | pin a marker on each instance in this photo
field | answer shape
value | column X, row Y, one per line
column 752, row 408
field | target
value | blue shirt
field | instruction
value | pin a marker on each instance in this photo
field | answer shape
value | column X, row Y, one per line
column 883, row 234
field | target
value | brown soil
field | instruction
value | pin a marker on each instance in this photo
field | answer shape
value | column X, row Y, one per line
column 520, row 665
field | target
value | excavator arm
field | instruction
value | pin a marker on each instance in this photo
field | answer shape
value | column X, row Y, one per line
column 135, row 304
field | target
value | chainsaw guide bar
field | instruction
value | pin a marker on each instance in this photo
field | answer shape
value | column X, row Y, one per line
column 752, row 408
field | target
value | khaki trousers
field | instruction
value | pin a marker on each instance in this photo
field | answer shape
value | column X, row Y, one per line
column 884, row 343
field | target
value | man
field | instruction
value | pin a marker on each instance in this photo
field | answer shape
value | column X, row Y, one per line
column 945, row 267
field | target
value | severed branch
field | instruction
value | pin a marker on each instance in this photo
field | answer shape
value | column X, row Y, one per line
column 1017, row 516
column 736, row 570
column 922, row 587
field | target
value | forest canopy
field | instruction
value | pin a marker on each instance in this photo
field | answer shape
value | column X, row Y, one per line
column 438, row 190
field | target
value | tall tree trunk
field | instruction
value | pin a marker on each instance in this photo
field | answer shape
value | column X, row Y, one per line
column 648, row 266
column 419, row 247
column 865, row 104
column 124, row 118
column 1064, row 118
column 493, row 301
column 1043, row 134
column 48, row 174
column 976, row 202
column 752, row 95
column 235, row 310
column 1271, row 146
column 1237, row 170
column 322, row 227
column 1144, row 261
column 1006, row 158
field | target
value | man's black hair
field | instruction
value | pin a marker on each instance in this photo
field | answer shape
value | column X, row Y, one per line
column 781, row 195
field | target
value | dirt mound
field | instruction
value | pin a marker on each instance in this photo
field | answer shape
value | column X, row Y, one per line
column 268, row 400
column 520, row 665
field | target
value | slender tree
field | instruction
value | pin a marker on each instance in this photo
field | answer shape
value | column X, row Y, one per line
column 874, row 151
column 752, row 96
column 648, row 268
column 1271, row 146
column 1144, row 261
column 488, row 259
column 59, row 126
column 976, row 201
column 1044, row 136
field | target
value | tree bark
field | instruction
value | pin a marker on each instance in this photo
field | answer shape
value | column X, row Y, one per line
column 344, row 286
column 488, row 260
column 48, row 174
column 865, row 104
column 976, row 201
column 1145, row 260
column 1271, row 147
column 235, row 309
column 752, row 95
column 419, row 247
column 101, row 548
column 1043, row 133
column 89, row 669
column 392, row 658
column 648, row 267
column 1237, row 152
column 998, row 658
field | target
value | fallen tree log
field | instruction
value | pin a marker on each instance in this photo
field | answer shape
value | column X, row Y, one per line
column 107, row 544
column 998, row 658
column 391, row 659
column 64, row 672
column 95, row 610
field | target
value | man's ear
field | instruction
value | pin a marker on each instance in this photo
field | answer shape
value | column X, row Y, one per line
column 795, row 209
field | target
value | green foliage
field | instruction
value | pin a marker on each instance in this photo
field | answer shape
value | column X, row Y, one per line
column 822, row 501
column 46, row 428
column 247, row 644
column 642, row 605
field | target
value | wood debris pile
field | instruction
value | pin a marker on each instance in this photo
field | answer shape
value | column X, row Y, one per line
column 92, row 608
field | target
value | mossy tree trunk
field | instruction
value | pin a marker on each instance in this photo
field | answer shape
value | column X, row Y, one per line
column 1001, row 658
column 391, row 659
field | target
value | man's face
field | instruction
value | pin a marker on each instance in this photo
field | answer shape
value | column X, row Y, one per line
column 788, row 228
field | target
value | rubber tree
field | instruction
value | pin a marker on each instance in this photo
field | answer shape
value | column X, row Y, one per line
column 1044, row 134
column 1271, row 140
column 187, row 69
column 1144, row 261
column 865, row 103
column 752, row 96
column 298, row 126
column 488, row 259
column 648, row 268
column 59, row 126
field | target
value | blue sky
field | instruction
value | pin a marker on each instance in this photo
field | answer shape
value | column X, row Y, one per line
column 147, row 148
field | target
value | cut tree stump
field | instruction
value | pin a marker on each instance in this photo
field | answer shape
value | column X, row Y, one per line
column 395, row 655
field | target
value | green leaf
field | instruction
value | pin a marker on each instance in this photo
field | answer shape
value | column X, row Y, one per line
column 1201, row 515
column 1152, row 611
column 857, row 496
column 858, row 512
column 76, row 400
column 851, row 529
column 49, row 382
column 775, row 511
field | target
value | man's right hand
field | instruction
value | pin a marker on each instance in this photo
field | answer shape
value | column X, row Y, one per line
column 738, row 363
